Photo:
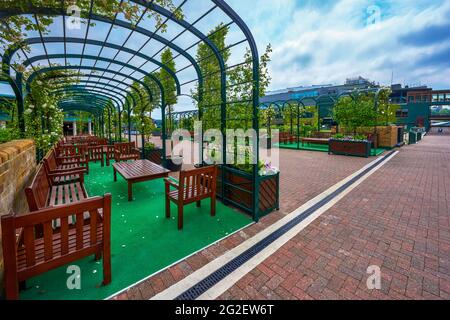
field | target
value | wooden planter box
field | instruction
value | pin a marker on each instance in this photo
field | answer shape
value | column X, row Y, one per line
column 350, row 148
column 154, row 155
column 238, row 190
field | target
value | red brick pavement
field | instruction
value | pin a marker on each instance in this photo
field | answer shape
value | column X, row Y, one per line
column 398, row 219
column 304, row 175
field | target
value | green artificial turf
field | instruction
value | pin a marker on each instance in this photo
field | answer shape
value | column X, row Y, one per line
column 319, row 147
column 143, row 241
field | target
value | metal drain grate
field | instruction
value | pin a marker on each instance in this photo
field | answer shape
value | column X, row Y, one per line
column 204, row 285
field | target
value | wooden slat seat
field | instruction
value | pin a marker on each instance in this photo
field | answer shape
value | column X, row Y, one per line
column 188, row 194
column 27, row 253
column 44, row 191
column 67, row 194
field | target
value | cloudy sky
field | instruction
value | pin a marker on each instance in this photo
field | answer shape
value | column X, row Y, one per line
column 314, row 42
column 326, row 41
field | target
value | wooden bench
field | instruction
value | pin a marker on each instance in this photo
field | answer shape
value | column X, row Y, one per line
column 321, row 141
column 27, row 255
column 194, row 186
column 43, row 192
column 126, row 152
column 78, row 154
column 110, row 154
column 60, row 172
column 96, row 154
column 286, row 138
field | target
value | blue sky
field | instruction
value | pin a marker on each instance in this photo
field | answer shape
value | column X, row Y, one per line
column 314, row 41
column 326, row 41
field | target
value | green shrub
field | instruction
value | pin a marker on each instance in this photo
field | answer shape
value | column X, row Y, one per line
column 7, row 135
column 150, row 146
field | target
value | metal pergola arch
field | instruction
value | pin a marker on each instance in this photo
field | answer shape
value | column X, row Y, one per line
column 94, row 109
column 94, row 82
column 80, row 90
column 75, row 92
column 146, row 87
column 186, row 27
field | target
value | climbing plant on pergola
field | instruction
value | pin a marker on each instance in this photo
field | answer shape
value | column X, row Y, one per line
column 104, row 83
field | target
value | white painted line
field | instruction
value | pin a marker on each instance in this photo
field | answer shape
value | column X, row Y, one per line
column 177, row 262
column 185, row 284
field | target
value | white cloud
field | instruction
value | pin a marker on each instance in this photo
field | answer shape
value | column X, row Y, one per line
column 314, row 44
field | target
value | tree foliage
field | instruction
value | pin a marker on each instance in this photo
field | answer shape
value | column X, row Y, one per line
column 239, row 83
column 43, row 118
column 361, row 110
column 11, row 29
column 169, row 85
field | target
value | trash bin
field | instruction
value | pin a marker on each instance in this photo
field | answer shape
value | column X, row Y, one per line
column 412, row 137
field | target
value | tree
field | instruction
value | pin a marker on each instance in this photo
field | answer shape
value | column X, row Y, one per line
column 169, row 85
column 211, row 101
column 353, row 113
column 240, row 87
column 386, row 111
column 239, row 82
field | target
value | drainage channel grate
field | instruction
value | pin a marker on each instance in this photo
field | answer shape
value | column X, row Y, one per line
column 218, row 275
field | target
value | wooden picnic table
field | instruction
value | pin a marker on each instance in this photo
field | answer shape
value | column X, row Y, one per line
column 138, row 171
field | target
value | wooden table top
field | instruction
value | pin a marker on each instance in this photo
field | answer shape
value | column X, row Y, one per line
column 139, row 169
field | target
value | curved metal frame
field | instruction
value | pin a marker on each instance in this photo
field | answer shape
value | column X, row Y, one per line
column 169, row 16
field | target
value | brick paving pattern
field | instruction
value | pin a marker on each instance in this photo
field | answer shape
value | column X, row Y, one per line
column 398, row 219
column 304, row 175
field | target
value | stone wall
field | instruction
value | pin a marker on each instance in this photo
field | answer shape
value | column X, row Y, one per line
column 17, row 165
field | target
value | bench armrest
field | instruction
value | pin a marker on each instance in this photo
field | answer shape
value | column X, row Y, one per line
column 170, row 182
column 69, row 170
column 70, row 159
column 81, row 172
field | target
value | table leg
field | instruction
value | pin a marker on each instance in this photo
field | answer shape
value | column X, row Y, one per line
column 130, row 191
column 115, row 175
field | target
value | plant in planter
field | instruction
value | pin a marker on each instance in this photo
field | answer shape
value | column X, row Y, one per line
column 356, row 145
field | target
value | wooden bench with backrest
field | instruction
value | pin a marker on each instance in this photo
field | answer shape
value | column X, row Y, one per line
column 321, row 141
column 43, row 192
column 286, row 138
column 60, row 172
column 110, row 154
column 101, row 142
column 321, row 135
column 76, row 154
column 26, row 254
column 193, row 186
column 96, row 154
column 126, row 151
